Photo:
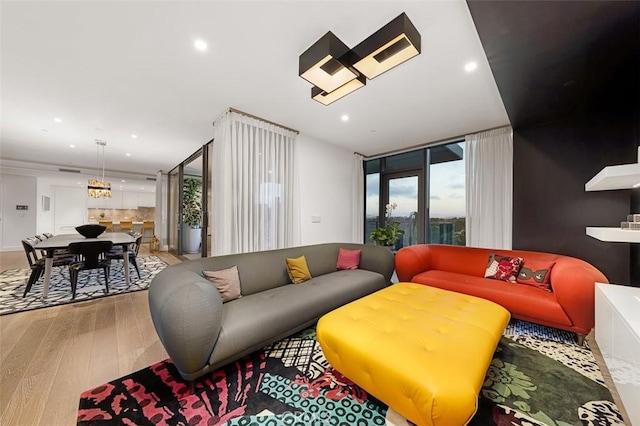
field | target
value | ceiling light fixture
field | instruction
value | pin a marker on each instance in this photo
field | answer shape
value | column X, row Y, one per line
column 326, row 98
column 72, row 146
column 99, row 188
column 335, row 71
column 128, row 154
column 391, row 45
column 134, row 136
column 57, row 120
column 200, row 45
column 471, row 66
column 325, row 65
column 344, row 117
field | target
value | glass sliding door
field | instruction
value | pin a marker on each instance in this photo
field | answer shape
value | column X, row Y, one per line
column 403, row 192
column 174, row 205
column 188, row 207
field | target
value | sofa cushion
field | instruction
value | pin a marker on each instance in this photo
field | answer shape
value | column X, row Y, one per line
column 348, row 259
column 227, row 281
column 274, row 312
column 536, row 274
column 298, row 269
column 520, row 300
column 503, row 268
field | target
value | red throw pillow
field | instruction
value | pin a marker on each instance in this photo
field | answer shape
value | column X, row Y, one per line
column 348, row 259
column 536, row 273
column 503, row 268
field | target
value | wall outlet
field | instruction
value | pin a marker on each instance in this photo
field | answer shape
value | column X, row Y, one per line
column 315, row 219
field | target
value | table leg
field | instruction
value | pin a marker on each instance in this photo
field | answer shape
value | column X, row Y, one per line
column 48, row 264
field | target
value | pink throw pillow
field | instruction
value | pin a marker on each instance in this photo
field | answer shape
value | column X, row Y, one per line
column 348, row 259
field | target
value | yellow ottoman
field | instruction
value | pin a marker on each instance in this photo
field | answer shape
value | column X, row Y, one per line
column 421, row 350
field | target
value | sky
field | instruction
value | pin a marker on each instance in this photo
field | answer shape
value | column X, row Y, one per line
column 447, row 192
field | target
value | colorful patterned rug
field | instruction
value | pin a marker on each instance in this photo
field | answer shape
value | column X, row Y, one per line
column 533, row 380
column 90, row 285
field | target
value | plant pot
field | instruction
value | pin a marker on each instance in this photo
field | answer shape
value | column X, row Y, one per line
column 191, row 240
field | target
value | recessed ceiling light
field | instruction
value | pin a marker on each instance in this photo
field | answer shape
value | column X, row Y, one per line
column 72, row 146
column 44, row 130
column 128, row 154
column 200, row 45
column 134, row 136
column 123, row 181
column 344, row 117
column 79, row 183
column 142, row 187
column 470, row 66
column 58, row 120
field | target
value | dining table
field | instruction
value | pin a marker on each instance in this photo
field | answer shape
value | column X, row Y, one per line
column 62, row 241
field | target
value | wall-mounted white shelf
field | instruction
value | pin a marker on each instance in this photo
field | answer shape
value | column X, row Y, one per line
column 614, row 235
column 624, row 176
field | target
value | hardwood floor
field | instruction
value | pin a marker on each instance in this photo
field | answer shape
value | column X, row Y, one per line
column 49, row 356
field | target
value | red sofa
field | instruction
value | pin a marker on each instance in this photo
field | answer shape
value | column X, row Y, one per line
column 569, row 306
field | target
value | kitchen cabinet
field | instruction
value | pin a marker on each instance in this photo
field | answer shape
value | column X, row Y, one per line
column 146, row 199
column 129, row 200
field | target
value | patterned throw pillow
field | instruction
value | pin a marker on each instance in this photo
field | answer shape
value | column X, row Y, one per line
column 227, row 281
column 348, row 259
column 298, row 269
column 536, row 273
column 503, row 268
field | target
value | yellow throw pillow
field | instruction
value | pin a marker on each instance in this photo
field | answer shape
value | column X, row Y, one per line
column 298, row 270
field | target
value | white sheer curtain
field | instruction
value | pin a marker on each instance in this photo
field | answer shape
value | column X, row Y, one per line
column 357, row 197
column 253, row 185
column 489, row 188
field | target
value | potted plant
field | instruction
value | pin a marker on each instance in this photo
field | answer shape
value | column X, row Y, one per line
column 192, row 214
column 387, row 235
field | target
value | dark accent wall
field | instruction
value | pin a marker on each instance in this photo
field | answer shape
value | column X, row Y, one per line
column 552, row 162
column 568, row 74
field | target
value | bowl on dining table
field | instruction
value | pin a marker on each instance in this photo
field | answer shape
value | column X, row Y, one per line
column 90, row 231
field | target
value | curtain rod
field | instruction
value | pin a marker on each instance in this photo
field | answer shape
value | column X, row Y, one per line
column 246, row 114
column 424, row 145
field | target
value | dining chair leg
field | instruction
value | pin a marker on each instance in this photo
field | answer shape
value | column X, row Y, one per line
column 135, row 264
column 73, row 275
column 106, row 278
column 35, row 275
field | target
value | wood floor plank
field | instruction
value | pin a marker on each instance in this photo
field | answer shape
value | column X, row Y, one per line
column 17, row 360
column 104, row 347
column 27, row 403
column 60, row 407
column 130, row 346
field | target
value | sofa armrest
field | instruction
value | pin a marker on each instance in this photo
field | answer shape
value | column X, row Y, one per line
column 187, row 314
column 377, row 259
column 573, row 283
column 412, row 260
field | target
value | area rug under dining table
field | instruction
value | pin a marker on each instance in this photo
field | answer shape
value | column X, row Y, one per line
column 90, row 285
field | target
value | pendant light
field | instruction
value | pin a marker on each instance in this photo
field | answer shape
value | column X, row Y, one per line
column 99, row 188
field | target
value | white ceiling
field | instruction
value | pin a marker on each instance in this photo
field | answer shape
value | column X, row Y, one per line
column 131, row 68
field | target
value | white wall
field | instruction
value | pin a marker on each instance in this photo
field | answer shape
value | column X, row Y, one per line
column 44, row 218
column 325, row 191
column 17, row 224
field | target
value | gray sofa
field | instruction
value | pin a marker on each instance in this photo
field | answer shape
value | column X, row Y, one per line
column 201, row 334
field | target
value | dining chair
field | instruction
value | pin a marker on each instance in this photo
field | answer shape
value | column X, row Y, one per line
column 90, row 253
column 108, row 224
column 37, row 264
column 148, row 230
column 126, row 225
column 116, row 253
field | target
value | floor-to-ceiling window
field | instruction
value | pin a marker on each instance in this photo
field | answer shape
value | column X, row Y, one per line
column 425, row 189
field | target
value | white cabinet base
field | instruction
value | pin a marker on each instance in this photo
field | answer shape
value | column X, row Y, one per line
column 618, row 337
